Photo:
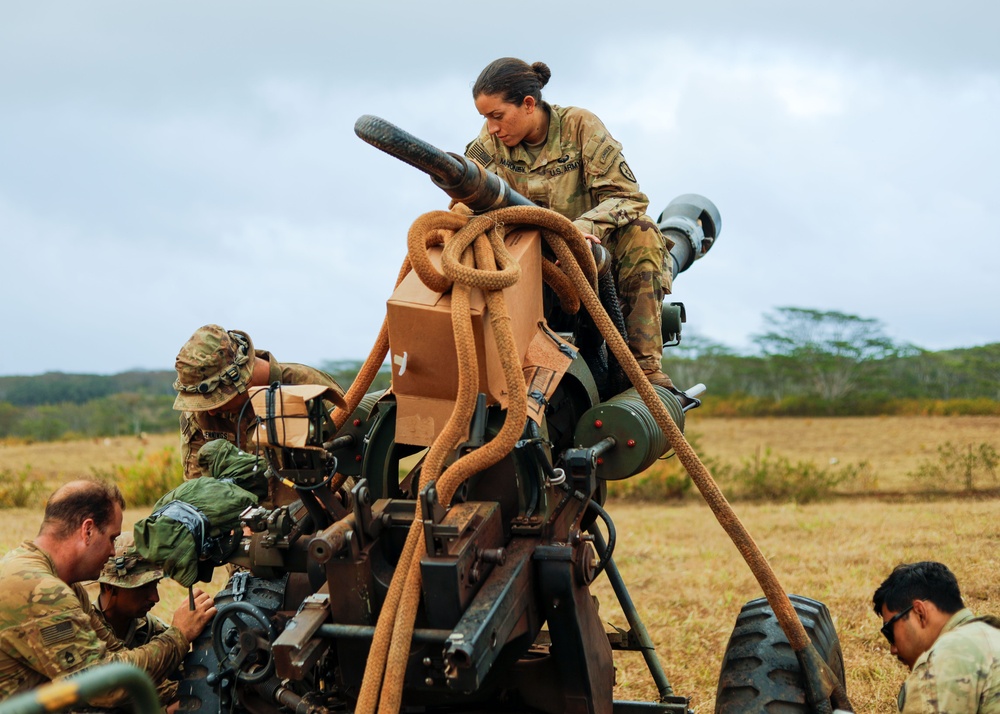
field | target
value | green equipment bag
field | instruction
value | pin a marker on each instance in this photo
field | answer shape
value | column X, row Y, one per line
column 197, row 526
column 225, row 462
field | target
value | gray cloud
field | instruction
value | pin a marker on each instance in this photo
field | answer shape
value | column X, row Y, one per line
column 167, row 165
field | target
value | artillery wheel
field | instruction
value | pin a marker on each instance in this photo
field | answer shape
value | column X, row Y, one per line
column 204, row 687
column 242, row 636
column 760, row 672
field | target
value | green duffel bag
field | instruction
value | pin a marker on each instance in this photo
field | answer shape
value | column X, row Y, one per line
column 225, row 462
column 194, row 528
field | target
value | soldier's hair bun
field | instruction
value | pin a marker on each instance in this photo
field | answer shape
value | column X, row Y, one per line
column 543, row 72
column 513, row 79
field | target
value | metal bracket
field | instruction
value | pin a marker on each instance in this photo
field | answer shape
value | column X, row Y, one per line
column 433, row 514
column 477, row 429
column 361, row 499
column 239, row 584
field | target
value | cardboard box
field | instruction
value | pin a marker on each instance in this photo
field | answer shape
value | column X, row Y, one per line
column 288, row 422
column 422, row 343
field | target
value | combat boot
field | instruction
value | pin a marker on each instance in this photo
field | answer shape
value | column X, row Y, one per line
column 659, row 378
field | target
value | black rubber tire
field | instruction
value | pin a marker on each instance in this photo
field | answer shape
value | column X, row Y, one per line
column 760, row 672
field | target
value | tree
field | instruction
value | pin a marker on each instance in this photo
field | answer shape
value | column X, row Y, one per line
column 831, row 351
column 696, row 359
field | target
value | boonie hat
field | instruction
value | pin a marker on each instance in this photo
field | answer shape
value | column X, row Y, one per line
column 212, row 367
column 126, row 568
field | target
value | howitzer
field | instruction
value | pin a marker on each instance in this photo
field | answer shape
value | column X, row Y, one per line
column 475, row 559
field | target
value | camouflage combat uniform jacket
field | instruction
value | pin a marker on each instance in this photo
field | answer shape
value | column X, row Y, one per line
column 580, row 173
column 959, row 674
column 198, row 428
column 48, row 629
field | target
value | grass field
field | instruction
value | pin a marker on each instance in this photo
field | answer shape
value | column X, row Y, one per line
column 893, row 446
column 689, row 581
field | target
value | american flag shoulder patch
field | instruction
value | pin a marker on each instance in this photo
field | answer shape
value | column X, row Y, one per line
column 59, row 632
column 477, row 153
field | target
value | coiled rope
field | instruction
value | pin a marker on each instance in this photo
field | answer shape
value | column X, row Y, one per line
column 462, row 269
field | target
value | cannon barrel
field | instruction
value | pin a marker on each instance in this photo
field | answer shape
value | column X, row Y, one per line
column 690, row 220
column 462, row 179
column 456, row 175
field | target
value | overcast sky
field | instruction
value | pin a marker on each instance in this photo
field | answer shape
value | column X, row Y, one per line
column 169, row 164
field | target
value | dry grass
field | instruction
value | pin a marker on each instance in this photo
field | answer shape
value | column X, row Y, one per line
column 56, row 462
column 893, row 446
column 689, row 581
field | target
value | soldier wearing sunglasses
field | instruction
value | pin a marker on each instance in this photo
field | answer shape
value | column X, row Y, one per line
column 953, row 656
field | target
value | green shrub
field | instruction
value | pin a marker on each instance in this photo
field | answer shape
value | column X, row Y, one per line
column 147, row 478
column 776, row 478
column 666, row 480
column 18, row 490
column 964, row 463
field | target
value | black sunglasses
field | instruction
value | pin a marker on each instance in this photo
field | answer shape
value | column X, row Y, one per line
column 887, row 628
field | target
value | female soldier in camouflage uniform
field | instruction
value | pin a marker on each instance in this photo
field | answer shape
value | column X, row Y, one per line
column 564, row 159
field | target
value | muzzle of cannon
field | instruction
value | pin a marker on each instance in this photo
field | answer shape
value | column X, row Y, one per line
column 460, row 178
column 693, row 223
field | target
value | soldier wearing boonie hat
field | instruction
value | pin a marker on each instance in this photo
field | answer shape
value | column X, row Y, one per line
column 128, row 592
column 213, row 367
column 215, row 370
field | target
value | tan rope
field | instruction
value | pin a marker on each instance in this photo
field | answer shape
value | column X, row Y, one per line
column 557, row 239
column 383, row 680
column 375, row 670
column 569, row 300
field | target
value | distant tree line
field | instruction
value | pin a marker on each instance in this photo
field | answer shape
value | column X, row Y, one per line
column 56, row 406
column 812, row 362
column 806, row 362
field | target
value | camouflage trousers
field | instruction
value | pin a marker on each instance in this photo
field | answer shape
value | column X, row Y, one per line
column 641, row 265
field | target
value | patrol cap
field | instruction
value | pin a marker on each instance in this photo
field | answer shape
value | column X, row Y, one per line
column 212, row 367
column 126, row 568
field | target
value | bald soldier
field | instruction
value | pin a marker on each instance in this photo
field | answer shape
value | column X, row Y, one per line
column 953, row 656
column 215, row 370
column 47, row 626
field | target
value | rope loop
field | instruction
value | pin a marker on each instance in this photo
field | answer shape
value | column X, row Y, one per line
column 484, row 276
column 430, row 229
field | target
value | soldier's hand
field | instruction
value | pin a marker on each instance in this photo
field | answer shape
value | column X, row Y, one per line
column 192, row 622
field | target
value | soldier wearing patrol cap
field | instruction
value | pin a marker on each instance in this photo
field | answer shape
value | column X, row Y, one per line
column 953, row 656
column 129, row 590
column 48, row 628
column 215, row 370
column 564, row 159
